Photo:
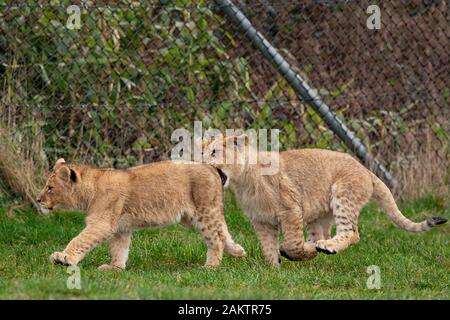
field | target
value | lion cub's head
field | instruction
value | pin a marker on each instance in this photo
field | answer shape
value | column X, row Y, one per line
column 58, row 192
column 234, row 154
column 229, row 154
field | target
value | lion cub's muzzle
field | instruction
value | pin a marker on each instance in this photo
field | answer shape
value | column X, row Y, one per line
column 43, row 207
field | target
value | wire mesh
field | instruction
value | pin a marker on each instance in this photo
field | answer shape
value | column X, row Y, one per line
column 112, row 90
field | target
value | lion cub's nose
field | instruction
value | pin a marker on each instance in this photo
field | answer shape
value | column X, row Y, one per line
column 38, row 200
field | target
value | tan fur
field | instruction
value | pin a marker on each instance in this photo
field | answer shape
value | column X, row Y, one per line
column 118, row 201
column 315, row 187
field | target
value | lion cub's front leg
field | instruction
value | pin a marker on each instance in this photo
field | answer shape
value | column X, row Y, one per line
column 79, row 246
column 290, row 217
column 294, row 247
column 268, row 237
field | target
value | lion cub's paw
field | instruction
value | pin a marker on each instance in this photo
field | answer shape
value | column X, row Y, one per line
column 305, row 253
column 210, row 267
column 62, row 258
column 324, row 247
column 275, row 263
column 236, row 251
column 110, row 267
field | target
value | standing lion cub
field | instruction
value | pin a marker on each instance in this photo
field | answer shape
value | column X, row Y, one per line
column 118, row 201
column 312, row 186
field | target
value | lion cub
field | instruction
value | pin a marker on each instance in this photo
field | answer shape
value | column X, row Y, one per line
column 313, row 186
column 118, row 201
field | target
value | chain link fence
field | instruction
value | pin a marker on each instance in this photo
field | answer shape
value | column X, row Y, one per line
column 107, row 83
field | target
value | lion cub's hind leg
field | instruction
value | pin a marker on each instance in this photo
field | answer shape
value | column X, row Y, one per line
column 231, row 247
column 209, row 222
column 347, row 201
column 213, row 228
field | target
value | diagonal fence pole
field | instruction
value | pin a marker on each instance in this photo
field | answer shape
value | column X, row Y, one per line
column 304, row 91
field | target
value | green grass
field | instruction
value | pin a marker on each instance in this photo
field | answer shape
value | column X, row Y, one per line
column 165, row 263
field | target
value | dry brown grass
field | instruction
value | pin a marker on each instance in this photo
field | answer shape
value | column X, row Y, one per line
column 423, row 173
column 19, row 171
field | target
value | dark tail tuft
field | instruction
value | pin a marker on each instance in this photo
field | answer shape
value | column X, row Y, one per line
column 435, row 221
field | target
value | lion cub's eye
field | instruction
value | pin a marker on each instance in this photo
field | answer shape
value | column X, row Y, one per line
column 213, row 153
column 49, row 189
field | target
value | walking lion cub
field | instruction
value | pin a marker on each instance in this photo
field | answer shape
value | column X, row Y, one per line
column 312, row 186
column 118, row 201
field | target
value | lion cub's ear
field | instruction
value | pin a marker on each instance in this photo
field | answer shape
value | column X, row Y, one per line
column 59, row 163
column 67, row 174
column 240, row 140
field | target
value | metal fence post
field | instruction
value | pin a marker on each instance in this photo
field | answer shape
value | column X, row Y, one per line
column 304, row 91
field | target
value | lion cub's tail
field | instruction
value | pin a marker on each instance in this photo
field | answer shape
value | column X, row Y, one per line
column 383, row 197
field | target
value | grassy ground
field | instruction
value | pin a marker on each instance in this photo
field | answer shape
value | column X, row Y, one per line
column 165, row 263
